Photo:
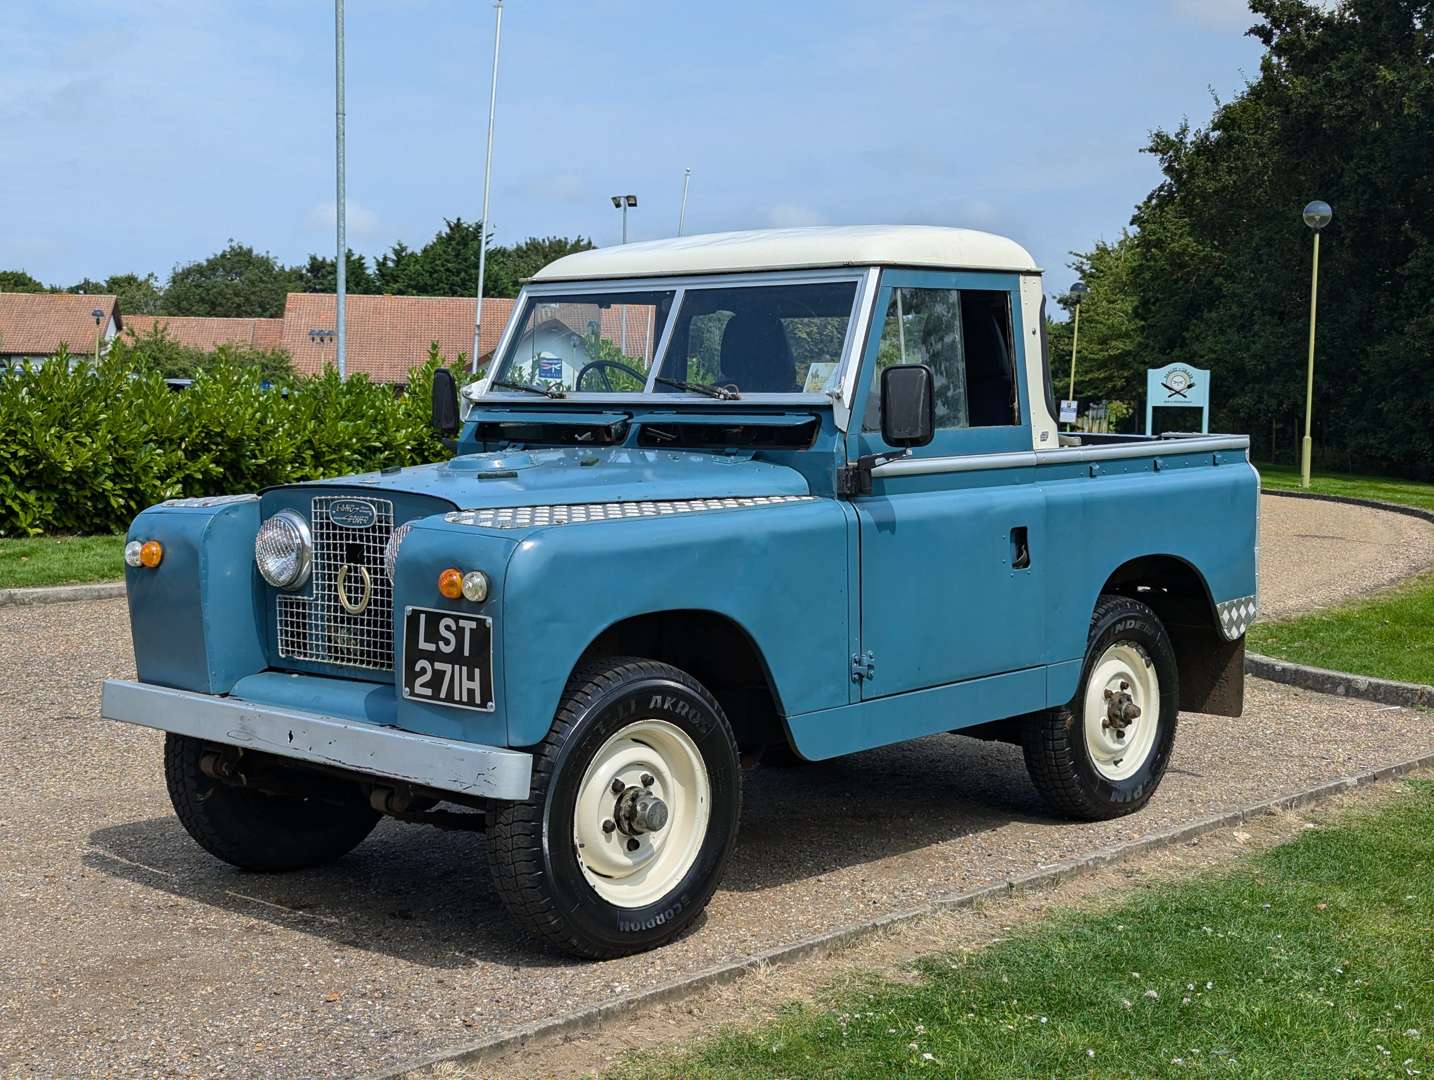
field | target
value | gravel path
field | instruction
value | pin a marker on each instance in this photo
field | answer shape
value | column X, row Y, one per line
column 1315, row 553
column 127, row 951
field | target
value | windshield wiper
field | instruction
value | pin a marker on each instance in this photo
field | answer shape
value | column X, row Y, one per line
column 546, row 391
column 725, row 393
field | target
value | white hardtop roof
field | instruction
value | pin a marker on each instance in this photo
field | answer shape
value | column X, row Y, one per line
column 931, row 246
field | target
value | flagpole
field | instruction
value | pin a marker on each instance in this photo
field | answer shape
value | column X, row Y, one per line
column 341, row 255
column 487, row 182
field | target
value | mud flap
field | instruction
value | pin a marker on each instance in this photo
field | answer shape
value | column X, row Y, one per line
column 1212, row 671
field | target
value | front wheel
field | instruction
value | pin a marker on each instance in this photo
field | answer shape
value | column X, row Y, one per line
column 1103, row 755
column 256, row 830
column 633, row 809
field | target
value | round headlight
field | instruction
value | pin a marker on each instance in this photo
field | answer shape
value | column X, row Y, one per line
column 284, row 550
column 390, row 549
column 131, row 553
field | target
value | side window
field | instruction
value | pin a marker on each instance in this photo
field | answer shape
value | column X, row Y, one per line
column 964, row 336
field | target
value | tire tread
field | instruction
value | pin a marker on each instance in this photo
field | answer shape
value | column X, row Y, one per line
column 515, row 829
column 1048, row 738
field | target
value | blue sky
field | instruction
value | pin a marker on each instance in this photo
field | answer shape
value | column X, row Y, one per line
column 136, row 135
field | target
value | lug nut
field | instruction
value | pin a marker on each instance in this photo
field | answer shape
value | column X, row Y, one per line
column 647, row 779
column 618, row 786
column 632, row 843
column 609, row 825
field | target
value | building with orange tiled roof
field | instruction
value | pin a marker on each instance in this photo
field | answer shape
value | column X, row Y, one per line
column 387, row 335
column 33, row 326
column 202, row 332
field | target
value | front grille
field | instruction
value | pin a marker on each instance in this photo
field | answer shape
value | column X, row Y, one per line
column 317, row 627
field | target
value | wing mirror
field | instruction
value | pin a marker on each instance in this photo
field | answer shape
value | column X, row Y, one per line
column 908, row 405
column 445, row 403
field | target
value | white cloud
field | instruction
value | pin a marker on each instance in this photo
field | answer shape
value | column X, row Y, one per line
column 788, row 215
column 1215, row 14
column 361, row 222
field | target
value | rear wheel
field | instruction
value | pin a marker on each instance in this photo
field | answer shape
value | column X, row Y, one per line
column 1104, row 754
column 258, row 831
column 632, row 813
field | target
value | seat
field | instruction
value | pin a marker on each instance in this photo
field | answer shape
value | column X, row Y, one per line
column 755, row 355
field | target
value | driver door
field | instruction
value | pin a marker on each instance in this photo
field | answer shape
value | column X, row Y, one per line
column 952, row 537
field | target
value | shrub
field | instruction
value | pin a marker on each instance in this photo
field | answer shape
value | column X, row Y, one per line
column 157, row 350
column 86, row 446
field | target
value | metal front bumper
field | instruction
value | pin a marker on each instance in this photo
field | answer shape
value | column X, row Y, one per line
column 385, row 752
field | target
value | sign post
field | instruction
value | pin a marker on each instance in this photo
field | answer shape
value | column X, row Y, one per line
column 1177, row 385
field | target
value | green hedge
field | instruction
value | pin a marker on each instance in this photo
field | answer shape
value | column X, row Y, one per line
column 84, row 448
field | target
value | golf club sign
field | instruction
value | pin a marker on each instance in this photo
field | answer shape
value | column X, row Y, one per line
column 1177, row 384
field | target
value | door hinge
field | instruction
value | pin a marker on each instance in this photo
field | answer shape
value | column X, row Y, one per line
column 863, row 666
column 855, row 477
column 853, row 480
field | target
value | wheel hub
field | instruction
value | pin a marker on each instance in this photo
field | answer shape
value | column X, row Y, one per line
column 1120, row 709
column 639, row 811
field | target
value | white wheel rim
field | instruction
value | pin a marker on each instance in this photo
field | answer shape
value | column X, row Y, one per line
column 635, row 875
column 1123, row 669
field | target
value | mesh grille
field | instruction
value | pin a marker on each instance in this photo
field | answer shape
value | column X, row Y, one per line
column 522, row 517
column 317, row 627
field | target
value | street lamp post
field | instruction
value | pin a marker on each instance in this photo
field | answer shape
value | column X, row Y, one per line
column 99, row 316
column 1317, row 215
column 1078, row 293
column 682, row 213
column 622, row 202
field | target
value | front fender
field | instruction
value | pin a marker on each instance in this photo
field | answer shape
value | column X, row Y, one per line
column 195, row 619
column 779, row 572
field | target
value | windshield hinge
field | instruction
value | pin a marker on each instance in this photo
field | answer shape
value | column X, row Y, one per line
column 863, row 666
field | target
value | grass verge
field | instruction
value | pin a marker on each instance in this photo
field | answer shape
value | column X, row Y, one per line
column 1310, row 961
column 1382, row 488
column 60, row 560
column 1390, row 636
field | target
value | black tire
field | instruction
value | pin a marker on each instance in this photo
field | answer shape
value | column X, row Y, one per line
column 1057, row 755
column 531, row 845
column 255, row 831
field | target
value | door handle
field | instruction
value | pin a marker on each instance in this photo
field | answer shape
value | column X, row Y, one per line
column 1020, row 548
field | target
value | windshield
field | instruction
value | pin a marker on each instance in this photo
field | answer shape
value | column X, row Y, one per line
column 589, row 342
column 725, row 342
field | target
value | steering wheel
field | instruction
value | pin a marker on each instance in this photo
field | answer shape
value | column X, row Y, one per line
column 601, row 366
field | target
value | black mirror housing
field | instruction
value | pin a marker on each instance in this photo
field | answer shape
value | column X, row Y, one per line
column 908, row 405
column 445, row 403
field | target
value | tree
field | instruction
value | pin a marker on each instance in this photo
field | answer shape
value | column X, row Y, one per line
column 1113, row 353
column 1343, row 110
column 445, row 266
column 507, row 267
column 448, row 264
column 135, row 295
column 156, row 350
column 235, row 282
column 318, row 275
column 19, row 281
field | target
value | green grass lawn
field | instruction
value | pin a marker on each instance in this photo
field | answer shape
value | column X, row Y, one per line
column 60, row 560
column 1383, row 488
column 1390, row 636
column 1312, row 960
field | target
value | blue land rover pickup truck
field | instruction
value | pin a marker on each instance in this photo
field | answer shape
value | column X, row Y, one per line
column 719, row 501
